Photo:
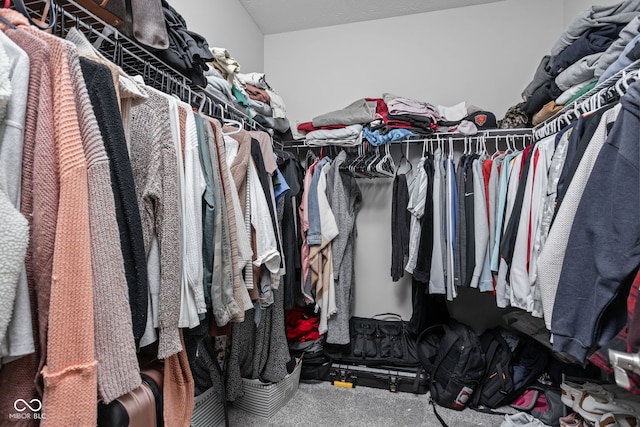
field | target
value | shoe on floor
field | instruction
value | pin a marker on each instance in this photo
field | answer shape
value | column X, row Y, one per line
column 593, row 406
column 572, row 392
column 571, row 420
column 618, row 420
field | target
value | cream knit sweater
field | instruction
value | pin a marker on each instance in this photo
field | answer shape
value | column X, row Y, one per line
column 14, row 236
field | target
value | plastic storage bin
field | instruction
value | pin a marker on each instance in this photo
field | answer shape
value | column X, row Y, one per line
column 208, row 411
column 266, row 399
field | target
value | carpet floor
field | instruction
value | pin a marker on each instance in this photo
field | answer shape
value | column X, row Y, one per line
column 322, row 404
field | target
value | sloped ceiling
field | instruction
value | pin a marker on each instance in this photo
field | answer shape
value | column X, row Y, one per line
column 279, row 16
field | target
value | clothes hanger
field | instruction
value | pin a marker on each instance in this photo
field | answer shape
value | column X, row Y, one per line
column 7, row 22
column 240, row 126
column 373, row 167
column 7, row 5
column 386, row 167
column 509, row 147
column 228, row 122
column 359, row 167
column 404, row 161
column 355, row 159
column 371, row 161
column 621, row 86
column 201, row 107
column 310, row 158
column 44, row 23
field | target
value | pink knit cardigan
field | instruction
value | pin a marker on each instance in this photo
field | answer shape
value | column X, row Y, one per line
column 70, row 379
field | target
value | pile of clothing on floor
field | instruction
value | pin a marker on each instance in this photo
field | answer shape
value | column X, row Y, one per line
column 392, row 118
column 600, row 42
column 248, row 92
column 588, row 404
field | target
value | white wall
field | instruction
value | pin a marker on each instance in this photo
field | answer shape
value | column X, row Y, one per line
column 484, row 55
column 226, row 24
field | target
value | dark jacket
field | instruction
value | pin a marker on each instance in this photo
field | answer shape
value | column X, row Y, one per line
column 604, row 244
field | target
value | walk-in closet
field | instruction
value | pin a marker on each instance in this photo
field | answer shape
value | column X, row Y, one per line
column 297, row 212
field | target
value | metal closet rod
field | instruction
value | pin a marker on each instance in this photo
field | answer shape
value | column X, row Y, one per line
column 607, row 92
column 135, row 59
column 487, row 134
column 443, row 136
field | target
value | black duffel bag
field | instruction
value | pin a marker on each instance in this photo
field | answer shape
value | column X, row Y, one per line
column 376, row 341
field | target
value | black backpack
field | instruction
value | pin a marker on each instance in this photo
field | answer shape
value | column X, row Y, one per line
column 452, row 355
column 497, row 385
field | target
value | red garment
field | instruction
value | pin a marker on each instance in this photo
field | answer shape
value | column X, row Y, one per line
column 626, row 340
column 398, row 124
column 309, row 127
column 258, row 94
column 301, row 326
column 486, row 174
column 633, row 310
column 381, row 108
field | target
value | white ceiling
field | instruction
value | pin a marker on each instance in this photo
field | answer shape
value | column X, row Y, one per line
column 279, row 16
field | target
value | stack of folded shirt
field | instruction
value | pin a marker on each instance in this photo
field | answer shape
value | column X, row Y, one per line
column 419, row 117
column 340, row 127
column 380, row 120
column 595, row 46
column 347, row 136
column 264, row 100
column 247, row 92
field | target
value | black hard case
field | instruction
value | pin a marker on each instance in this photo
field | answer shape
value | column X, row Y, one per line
column 393, row 378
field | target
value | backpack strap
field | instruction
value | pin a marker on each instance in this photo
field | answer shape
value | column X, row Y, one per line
column 432, row 330
column 489, row 355
column 448, row 345
column 486, row 410
column 435, row 412
column 443, row 352
column 387, row 316
column 416, row 380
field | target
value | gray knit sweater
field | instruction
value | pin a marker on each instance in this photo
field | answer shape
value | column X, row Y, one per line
column 345, row 199
column 154, row 163
column 118, row 371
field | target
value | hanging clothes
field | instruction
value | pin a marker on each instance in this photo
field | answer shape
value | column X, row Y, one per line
column 345, row 201
column 616, row 248
column 451, row 211
column 400, row 222
column 18, row 340
column 118, row 371
column 416, row 206
column 461, row 226
column 551, row 260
